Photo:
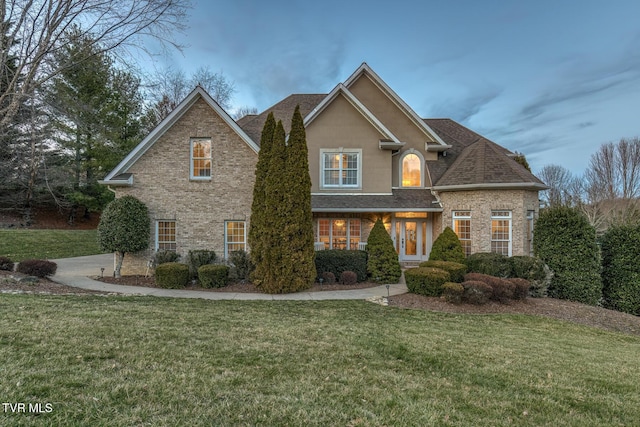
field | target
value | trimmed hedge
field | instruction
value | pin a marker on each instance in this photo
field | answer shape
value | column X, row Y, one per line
column 521, row 288
column 426, row 280
column 37, row 267
column 348, row 278
column 337, row 261
column 535, row 271
column 452, row 292
column 163, row 257
column 199, row 257
column 6, row 264
column 447, row 247
column 490, row 263
column 213, row 275
column 566, row 242
column 621, row 269
column 476, row 292
column 501, row 290
column 172, row 275
column 455, row 269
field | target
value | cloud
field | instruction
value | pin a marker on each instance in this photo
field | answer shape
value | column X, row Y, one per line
column 463, row 108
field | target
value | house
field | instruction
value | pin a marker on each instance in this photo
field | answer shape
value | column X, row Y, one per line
column 370, row 156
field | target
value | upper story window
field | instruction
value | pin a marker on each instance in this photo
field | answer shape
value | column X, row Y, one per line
column 201, row 158
column 341, row 168
column 411, row 170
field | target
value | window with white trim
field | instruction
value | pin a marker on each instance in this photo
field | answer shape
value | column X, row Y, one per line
column 200, row 159
column 341, row 168
column 235, row 237
column 501, row 232
column 462, row 227
column 166, row 235
column 411, row 170
column 339, row 233
column 530, row 224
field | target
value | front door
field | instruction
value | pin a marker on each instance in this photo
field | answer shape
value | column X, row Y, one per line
column 408, row 239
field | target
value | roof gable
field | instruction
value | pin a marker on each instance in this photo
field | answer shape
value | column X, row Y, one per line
column 167, row 123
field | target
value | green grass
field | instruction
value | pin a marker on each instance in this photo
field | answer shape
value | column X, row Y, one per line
column 47, row 244
column 123, row 361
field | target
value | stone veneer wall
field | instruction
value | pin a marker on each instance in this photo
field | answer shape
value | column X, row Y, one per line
column 481, row 203
column 200, row 208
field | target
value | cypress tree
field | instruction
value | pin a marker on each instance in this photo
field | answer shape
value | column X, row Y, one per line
column 275, row 216
column 258, row 206
column 298, row 229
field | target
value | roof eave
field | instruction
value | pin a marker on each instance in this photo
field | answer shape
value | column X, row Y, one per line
column 492, row 186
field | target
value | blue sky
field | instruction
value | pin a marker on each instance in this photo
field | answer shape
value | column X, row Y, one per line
column 551, row 79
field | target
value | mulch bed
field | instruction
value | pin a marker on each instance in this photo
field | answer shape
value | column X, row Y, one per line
column 558, row 309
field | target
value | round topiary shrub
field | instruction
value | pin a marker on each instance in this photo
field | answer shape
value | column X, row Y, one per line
column 328, row 278
column 426, row 280
column 452, row 292
column 447, row 247
column 621, row 268
column 490, row 263
column 213, row 275
column 501, row 290
column 37, row 267
column 476, row 292
column 521, row 288
column 455, row 269
column 172, row 275
column 535, row 271
column 348, row 278
column 566, row 242
column 6, row 264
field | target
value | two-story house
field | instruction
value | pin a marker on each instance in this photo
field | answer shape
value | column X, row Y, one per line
column 370, row 156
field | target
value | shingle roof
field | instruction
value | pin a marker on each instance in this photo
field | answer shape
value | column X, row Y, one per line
column 283, row 110
column 399, row 200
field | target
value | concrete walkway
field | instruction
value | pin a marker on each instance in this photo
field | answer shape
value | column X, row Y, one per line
column 77, row 271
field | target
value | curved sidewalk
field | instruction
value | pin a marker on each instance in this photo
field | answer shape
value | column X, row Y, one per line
column 77, row 271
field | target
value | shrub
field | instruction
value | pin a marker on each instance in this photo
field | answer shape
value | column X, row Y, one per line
column 426, row 280
column 328, row 278
column 521, row 287
column 348, row 278
column 490, row 263
column 336, row 261
column 37, row 267
column 566, row 242
column 447, row 247
column 383, row 265
column 213, row 275
column 452, row 292
column 162, row 257
column 172, row 275
column 199, row 257
column 535, row 271
column 501, row 290
column 476, row 292
column 6, row 264
column 241, row 265
column 621, row 268
column 455, row 269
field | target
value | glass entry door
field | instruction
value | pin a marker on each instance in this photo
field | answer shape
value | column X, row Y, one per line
column 412, row 239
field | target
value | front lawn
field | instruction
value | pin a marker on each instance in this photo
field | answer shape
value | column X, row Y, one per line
column 20, row 244
column 166, row 362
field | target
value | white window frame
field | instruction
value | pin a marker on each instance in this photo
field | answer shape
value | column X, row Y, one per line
column 462, row 216
column 348, row 235
column 531, row 214
column 503, row 215
column 340, row 151
column 192, row 159
column 422, row 168
column 160, row 243
column 227, row 242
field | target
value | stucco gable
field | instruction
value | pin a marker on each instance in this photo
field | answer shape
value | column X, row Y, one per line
column 198, row 93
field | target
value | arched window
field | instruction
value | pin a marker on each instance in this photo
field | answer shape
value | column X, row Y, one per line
column 411, row 171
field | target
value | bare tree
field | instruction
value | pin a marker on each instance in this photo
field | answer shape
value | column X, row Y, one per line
column 244, row 111
column 36, row 29
column 562, row 185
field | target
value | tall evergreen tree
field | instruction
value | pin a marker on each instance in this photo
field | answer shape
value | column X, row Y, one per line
column 258, row 206
column 275, row 217
column 298, row 231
